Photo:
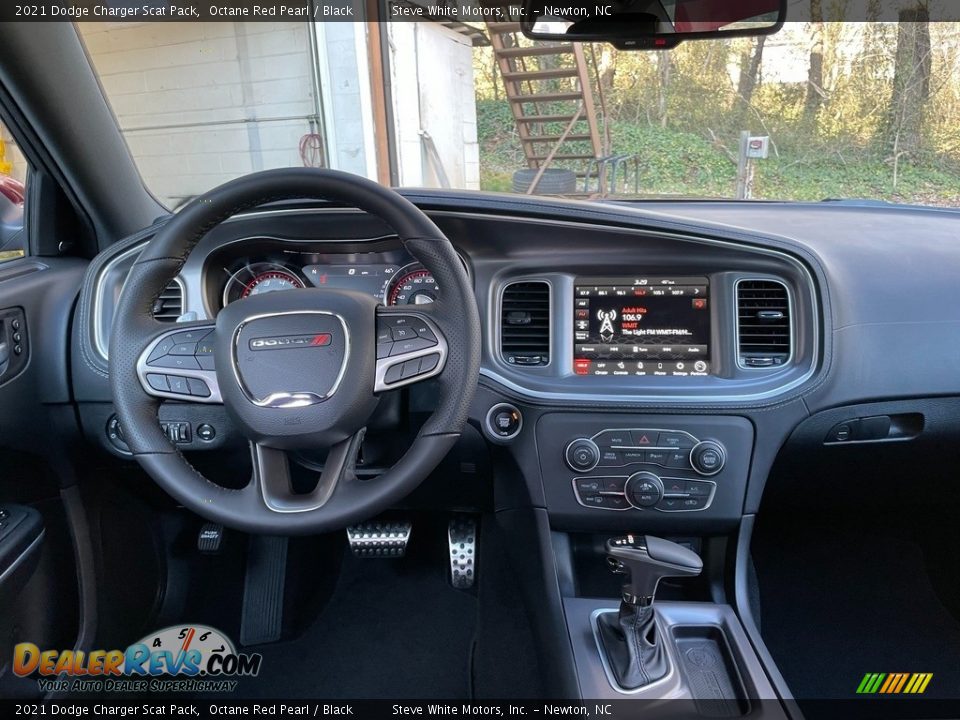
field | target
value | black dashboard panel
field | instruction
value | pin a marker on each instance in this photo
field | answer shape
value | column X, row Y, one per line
column 851, row 338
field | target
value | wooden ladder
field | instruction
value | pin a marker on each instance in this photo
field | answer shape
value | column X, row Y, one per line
column 551, row 98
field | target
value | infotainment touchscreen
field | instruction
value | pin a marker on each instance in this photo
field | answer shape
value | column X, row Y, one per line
column 645, row 326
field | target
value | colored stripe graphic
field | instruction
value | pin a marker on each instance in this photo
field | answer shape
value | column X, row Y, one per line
column 894, row 683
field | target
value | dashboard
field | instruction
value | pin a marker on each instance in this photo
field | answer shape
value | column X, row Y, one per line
column 618, row 343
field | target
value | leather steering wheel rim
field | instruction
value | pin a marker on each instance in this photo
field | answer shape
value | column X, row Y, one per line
column 454, row 314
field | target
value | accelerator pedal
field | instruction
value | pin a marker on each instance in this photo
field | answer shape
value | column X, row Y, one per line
column 462, row 540
column 380, row 539
column 262, row 616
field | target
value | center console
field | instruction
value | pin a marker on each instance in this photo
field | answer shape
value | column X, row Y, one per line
column 662, row 473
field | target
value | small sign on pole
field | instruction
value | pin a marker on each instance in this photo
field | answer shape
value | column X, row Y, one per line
column 752, row 147
column 758, row 147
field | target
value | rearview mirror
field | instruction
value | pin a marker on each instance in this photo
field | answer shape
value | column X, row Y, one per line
column 649, row 24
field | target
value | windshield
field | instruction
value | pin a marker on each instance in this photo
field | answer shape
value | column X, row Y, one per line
column 815, row 111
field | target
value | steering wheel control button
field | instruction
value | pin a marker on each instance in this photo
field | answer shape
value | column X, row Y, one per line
column 162, row 349
column 503, row 422
column 191, row 336
column 644, row 489
column 178, row 385
column 204, row 347
column 176, row 362
column 410, row 369
column 184, row 349
column 429, row 362
column 582, row 455
column 198, row 388
column 708, row 457
column 406, row 336
column 423, row 330
column 158, row 382
column 405, row 347
column 394, row 374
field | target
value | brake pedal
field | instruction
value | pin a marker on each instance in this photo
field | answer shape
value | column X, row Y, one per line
column 462, row 540
column 380, row 539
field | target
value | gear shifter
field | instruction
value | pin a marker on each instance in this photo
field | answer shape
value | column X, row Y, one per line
column 630, row 639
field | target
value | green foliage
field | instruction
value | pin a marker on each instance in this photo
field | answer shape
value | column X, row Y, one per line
column 683, row 121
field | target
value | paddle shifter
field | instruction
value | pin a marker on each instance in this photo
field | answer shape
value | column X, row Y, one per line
column 630, row 639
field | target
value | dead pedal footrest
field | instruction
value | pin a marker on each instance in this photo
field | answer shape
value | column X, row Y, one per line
column 379, row 539
column 462, row 540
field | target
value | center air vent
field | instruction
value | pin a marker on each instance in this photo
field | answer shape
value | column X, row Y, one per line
column 525, row 323
column 763, row 323
column 169, row 306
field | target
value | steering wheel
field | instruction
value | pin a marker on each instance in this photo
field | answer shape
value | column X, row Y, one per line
column 294, row 370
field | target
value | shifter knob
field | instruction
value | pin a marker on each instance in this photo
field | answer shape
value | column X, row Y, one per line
column 645, row 559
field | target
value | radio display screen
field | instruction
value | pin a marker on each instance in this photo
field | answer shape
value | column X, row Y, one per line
column 641, row 327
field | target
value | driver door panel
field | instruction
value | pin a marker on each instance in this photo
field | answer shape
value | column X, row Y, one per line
column 37, row 431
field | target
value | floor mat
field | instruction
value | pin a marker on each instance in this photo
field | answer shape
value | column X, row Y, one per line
column 839, row 605
column 393, row 629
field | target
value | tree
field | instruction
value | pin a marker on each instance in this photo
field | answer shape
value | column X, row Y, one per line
column 814, row 96
column 663, row 87
column 911, row 81
column 750, row 73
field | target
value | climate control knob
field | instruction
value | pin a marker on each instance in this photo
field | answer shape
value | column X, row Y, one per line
column 582, row 455
column 708, row 457
column 643, row 489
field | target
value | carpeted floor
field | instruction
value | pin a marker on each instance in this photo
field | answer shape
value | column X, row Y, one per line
column 836, row 605
column 393, row 629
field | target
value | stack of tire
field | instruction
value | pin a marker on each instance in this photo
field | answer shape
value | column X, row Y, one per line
column 554, row 181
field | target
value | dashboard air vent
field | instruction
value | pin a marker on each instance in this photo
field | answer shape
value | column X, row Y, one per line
column 525, row 323
column 763, row 323
column 169, row 306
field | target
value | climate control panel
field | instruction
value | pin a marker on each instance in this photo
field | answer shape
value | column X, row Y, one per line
column 664, row 448
column 655, row 470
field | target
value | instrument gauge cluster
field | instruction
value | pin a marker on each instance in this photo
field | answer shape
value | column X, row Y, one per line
column 390, row 276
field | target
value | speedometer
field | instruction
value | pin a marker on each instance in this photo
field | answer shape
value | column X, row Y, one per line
column 412, row 285
column 271, row 281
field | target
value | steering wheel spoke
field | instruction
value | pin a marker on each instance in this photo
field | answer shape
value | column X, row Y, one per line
column 410, row 347
column 271, row 473
column 178, row 365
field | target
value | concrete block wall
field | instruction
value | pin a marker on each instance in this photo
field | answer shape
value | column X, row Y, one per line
column 201, row 103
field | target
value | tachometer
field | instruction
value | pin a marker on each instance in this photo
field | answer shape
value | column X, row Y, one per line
column 271, row 281
column 412, row 285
